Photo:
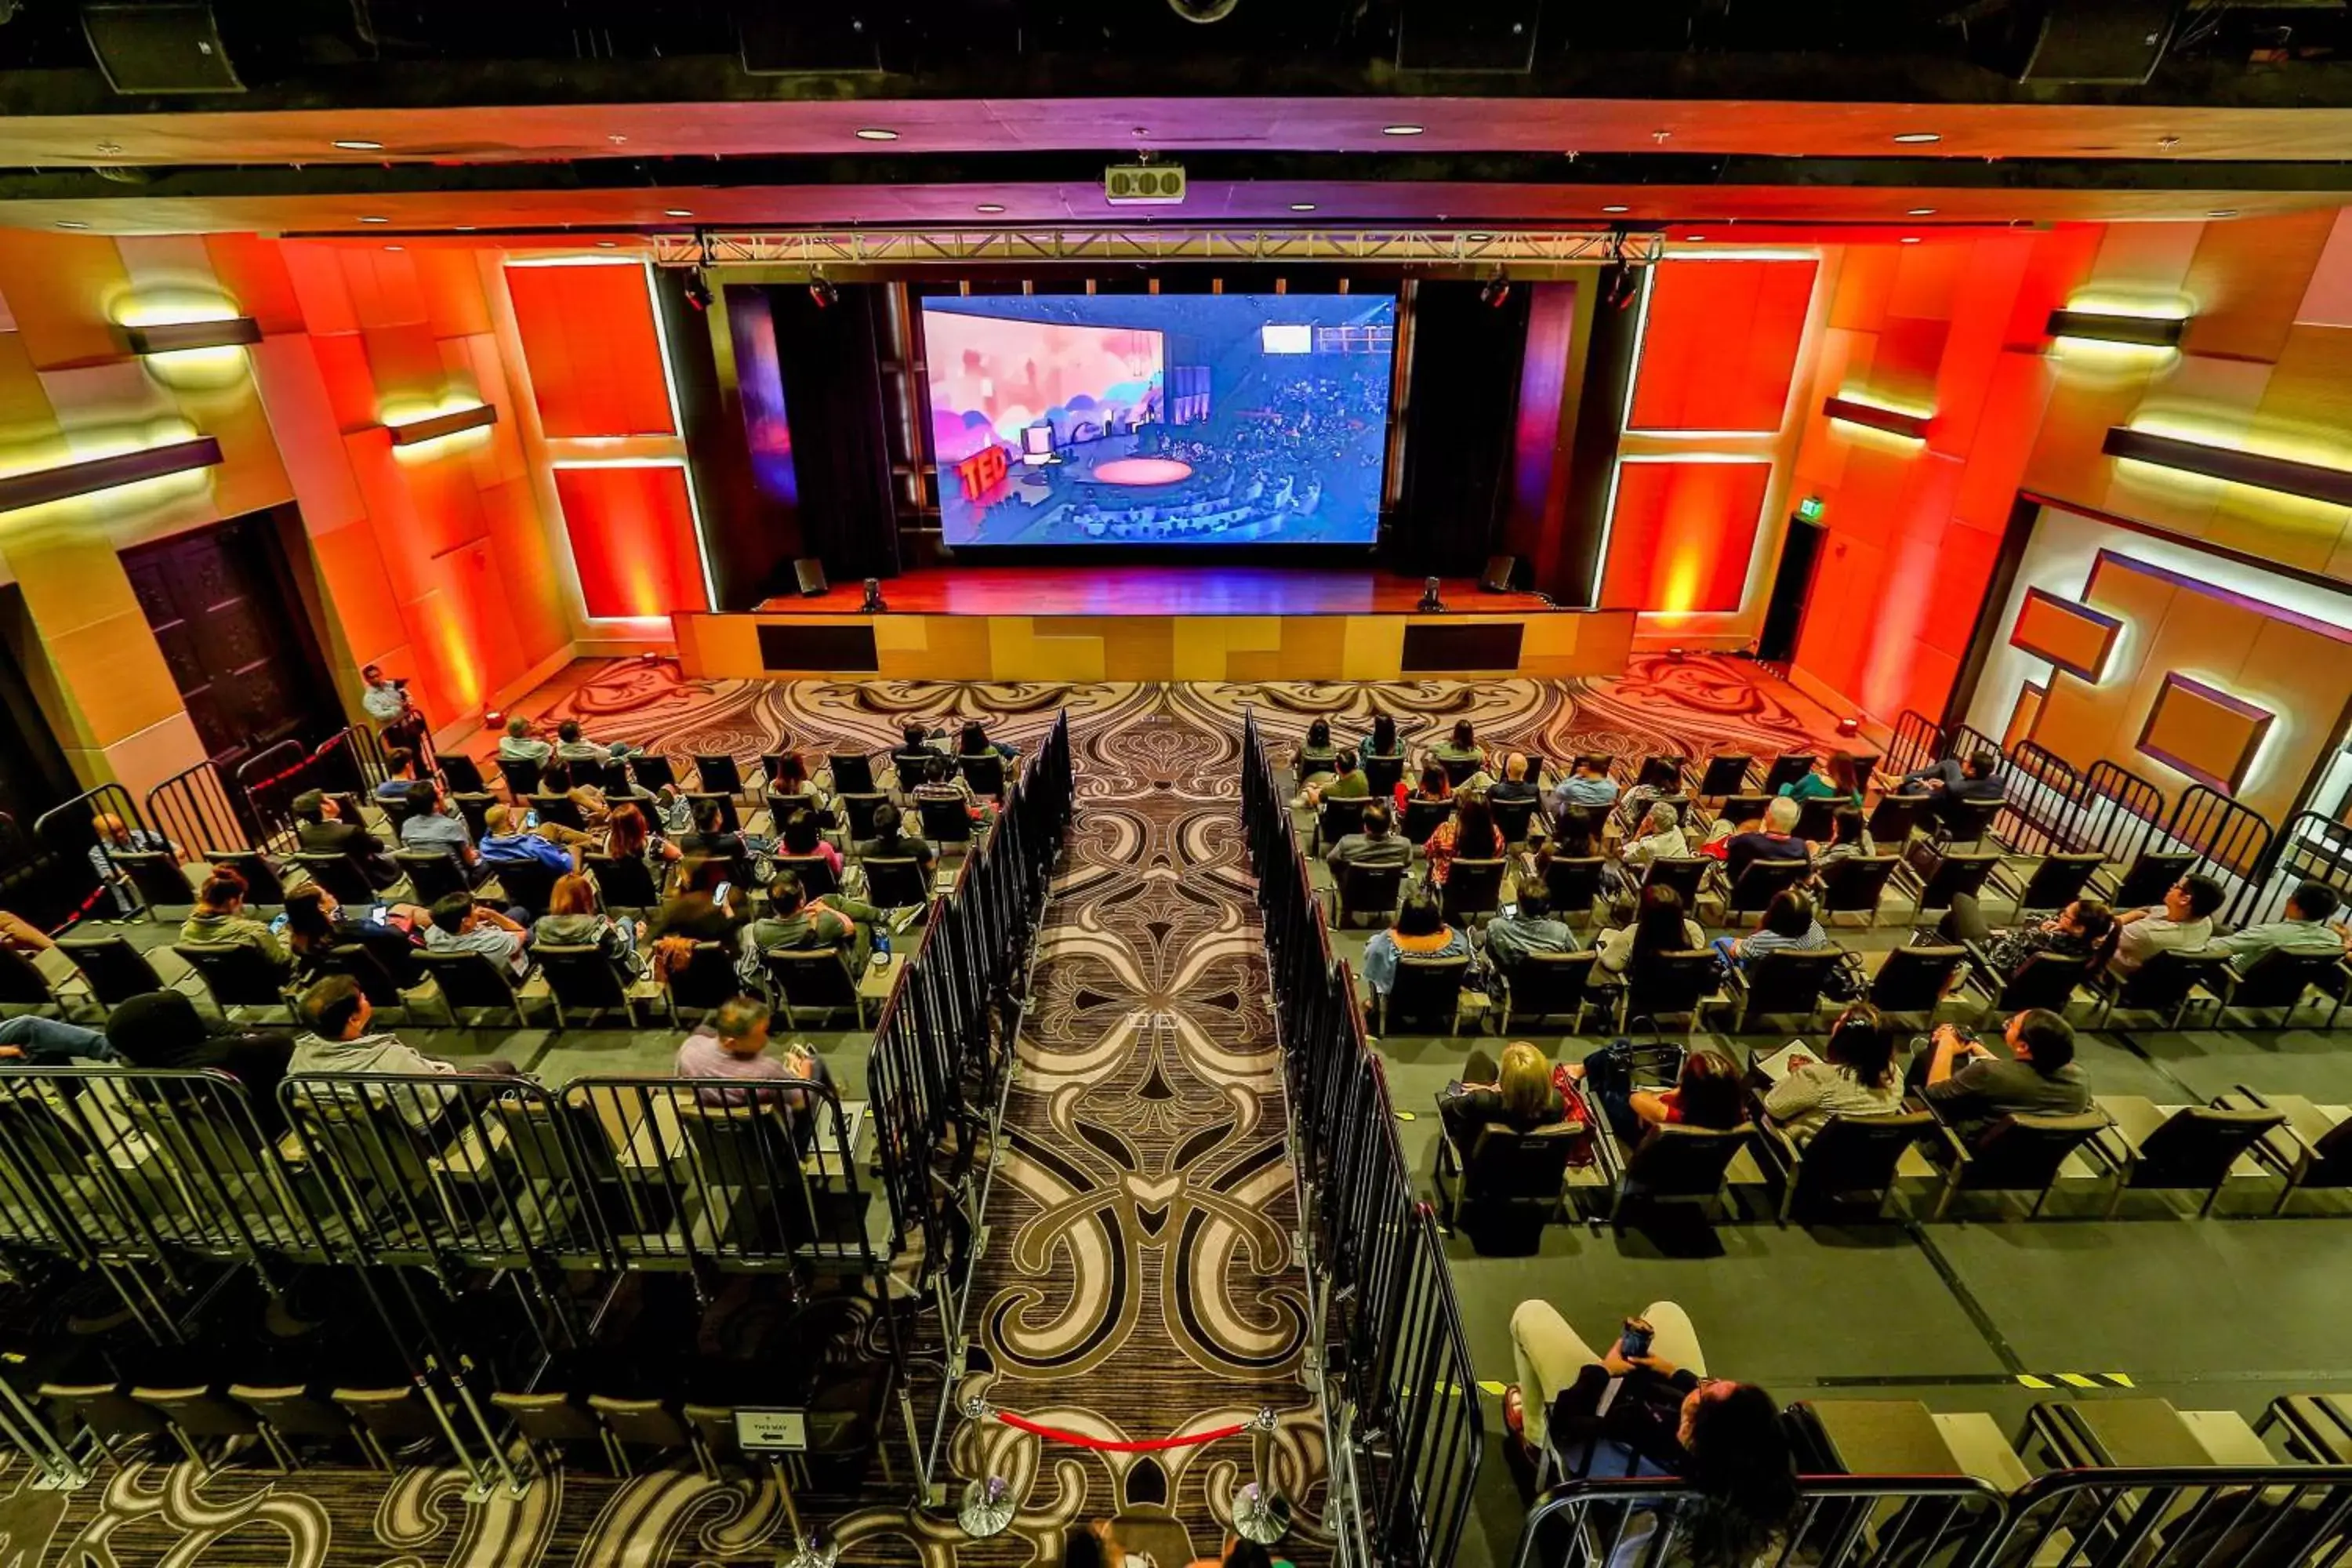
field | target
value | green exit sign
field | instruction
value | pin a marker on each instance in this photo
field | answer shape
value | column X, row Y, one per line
column 1811, row 508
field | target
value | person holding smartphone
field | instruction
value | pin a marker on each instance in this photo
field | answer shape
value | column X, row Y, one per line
column 1646, row 1406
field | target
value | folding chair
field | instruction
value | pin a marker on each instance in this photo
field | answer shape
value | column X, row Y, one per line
column 729, row 821
column 159, row 879
column 263, row 884
column 2055, row 881
column 1382, row 774
column 2177, row 1148
column 2046, row 980
column 114, row 970
column 896, row 883
column 852, row 773
column 527, row 882
column 1422, row 817
column 236, row 974
column 1512, row 817
column 2169, row 982
column 706, row 981
column 1787, row 981
column 1460, row 770
column 340, row 875
column 654, row 771
column 561, row 810
column 194, row 1415
column 1851, row 1160
column 1682, row 873
column 580, row 980
column 1762, row 880
column 814, row 981
column 814, row 871
column 1335, row 818
column 1362, row 889
column 1571, row 884
column 946, row 823
column 643, row 1423
column 624, row 883
column 23, row 985
column 2150, row 876
column 715, row 773
column 1677, row 1165
column 1672, row 984
column 1914, row 981
column 1424, row 989
column 857, row 814
column 1787, row 770
column 2280, row 981
column 1726, row 773
column 1473, row 889
column 399, row 1415
column 1549, row 985
column 552, row 1425
column 1856, row 885
column 984, row 770
column 116, row 1422
column 1504, row 1165
column 472, row 983
column 2014, row 1154
column 461, row 774
column 288, row 1414
column 434, row 874
column 2312, row 1151
column 522, row 776
column 1895, row 817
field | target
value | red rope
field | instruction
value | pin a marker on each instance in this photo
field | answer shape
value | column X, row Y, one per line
column 1144, row 1446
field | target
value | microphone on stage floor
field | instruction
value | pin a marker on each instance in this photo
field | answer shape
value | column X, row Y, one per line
column 873, row 604
column 1430, row 603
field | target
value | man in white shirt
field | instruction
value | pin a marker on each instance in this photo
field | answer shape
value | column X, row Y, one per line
column 384, row 700
column 2184, row 921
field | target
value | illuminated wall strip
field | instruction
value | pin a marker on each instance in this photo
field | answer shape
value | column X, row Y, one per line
column 677, row 424
column 433, row 427
column 2313, row 481
column 1892, row 421
column 41, row 486
column 2106, row 327
column 176, row 337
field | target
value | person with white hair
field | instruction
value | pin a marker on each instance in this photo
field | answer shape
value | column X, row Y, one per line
column 1773, row 838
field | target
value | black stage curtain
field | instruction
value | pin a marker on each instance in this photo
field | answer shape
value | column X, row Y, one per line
column 841, row 450
column 1459, row 428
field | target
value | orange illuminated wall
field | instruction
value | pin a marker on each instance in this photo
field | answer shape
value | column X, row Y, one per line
column 1719, row 344
column 1681, row 534
column 632, row 532
column 596, row 353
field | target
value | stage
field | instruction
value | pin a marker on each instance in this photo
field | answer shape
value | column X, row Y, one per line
column 1156, row 623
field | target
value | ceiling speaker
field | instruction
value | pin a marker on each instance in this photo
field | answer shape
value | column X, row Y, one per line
column 153, row 49
column 807, row 40
column 1468, row 34
column 2098, row 41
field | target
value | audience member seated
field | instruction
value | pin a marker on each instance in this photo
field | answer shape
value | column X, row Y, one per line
column 1461, row 746
column 1346, row 782
column 789, row 788
column 1660, row 835
column 1951, row 782
column 972, row 741
column 1419, row 932
column 572, row 920
column 797, row 922
column 1658, row 926
column 1432, row 784
column 519, row 746
column 162, row 1030
column 1576, row 834
column 1773, row 838
column 1380, row 741
column 458, row 925
column 219, row 919
column 588, row 799
column 1788, row 926
column 891, row 841
column 571, row 746
column 941, row 780
column 324, row 832
column 1659, row 1414
column 1525, row 926
column 2083, row 928
column 1707, row 1094
column 1378, row 843
column 113, row 834
column 505, row 840
column 437, row 824
column 2183, row 923
column 1518, row 1093
column 338, row 1041
column 316, row 925
column 627, row 838
column 1856, row 1077
column 400, row 781
column 1834, row 775
column 1661, row 779
column 1849, row 836
column 1588, row 783
column 2305, row 929
column 707, row 908
column 1515, row 784
column 798, row 835
column 1470, row 834
column 1969, row 1086
column 1317, row 758
column 53, row 1043
column 732, row 1043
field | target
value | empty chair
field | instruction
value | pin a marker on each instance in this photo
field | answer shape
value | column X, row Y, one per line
column 474, row 807
column 2058, row 880
column 642, row 1423
column 814, row 871
column 1360, row 889
column 896, row 882
column 1424, row 988
column 1787, row 981
column 434, row 874
column 2312, row 1150
column 1786, row 771
column 1512, row 817
column 2014, row 1154
column 399, row 1415
column 1571, row 882
column 1760, row 881
column 1472, row 888
column 1422, row 817
column 2281, row 980
column 1913, row 980
column 984, row 770
column 1549, row 985
column 1682, row 873
column 1678, row 1164
column 340, row 875
column 551, row 1425
column 114, row 970
column 1856, row 884
column 2046, row 980
column 159, row 879
column 1382, row 774
column 715, row 773
column 2150, row 875
column 852, row 772
column 1852, row 1160
column 813, row 982
column 2169, row 982
column 705, row 980
column 1336, row 818
column 472, row 983
column 623, row 883
column 263, row 884
column 654, row 771
column 1896, row 815
column 1726, row 771
column 1459, row 770
column 23, row 985
column 195, row 1414
column 1672, row 984
column 530, row 883
column 584, row 982
column 116, row 1422
column 291, row 1419
column 2177, row 1147
column 237, row 973
column 857, row 814
column 461, row 773
column 1970, row 821
column 1953, row 873
column 945, row 821
column 561, row 810
column 521, row 776
column 1504, row 1165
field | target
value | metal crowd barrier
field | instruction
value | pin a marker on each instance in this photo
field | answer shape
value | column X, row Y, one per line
column 127, row 883
column 351, row 761
column 196, row 808
column 1400, row 1400
column 2269, row 1516
column 2315, row 848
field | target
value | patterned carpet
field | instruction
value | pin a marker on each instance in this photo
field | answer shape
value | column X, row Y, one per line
column 1138, row 1281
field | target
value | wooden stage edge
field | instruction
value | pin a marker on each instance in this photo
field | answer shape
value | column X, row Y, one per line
column 1206, row 623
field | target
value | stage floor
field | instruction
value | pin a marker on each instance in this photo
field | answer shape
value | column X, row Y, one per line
column 1153, row 591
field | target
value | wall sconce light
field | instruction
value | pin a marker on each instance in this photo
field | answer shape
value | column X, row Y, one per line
column 433, row 427
column 40, row 486
column 2107, row 327
column 177, row 337
column 2313, row 481
column 1892, row 421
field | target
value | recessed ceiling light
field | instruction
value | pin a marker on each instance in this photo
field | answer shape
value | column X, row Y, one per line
column 396, row 247
column 1910, row 240
column 375, row 220
column 463, row 227
column 1917, row 138
column 1480, row 238
column 876, row 134
column 2223, row 212
column 1401, row 130
column 356, row 146
column 1694, row 236
column 1923, row 212
column 617, row 140
column 678, row 212
column 989, row 207
column 1302, row 206
column 1615, row 208
column 608, row 245
column 71, row 223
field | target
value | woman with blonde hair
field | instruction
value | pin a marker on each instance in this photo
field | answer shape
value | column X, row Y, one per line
column 1517, row 1092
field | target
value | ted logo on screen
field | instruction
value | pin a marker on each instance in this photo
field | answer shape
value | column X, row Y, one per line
column 1159, row 419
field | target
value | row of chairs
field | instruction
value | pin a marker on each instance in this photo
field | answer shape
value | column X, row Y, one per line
column 718, row 775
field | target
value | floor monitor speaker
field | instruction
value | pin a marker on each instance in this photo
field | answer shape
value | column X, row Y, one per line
column 810, row 571
column 1500, row 570
column 1792, row 587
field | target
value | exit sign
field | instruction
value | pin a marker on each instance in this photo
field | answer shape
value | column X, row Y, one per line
column 1811, row 508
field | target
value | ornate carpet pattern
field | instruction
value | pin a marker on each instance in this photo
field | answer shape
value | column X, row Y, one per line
column 1139, row 1281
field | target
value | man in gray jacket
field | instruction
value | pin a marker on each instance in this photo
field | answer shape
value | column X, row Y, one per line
column 1376, row 845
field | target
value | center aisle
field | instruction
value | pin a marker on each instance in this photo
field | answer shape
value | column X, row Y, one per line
column 1139, row 1281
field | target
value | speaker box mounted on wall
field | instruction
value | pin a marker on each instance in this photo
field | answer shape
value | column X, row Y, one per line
column 153, row 49
column 1500, row 570
column 809, row 572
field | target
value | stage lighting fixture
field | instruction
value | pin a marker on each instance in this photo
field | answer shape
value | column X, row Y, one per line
column 1496, row 293
column 873, row 604
column 1431, row 603
column 174, row 337
column 698, row 289
column 1203, row 10
column 1849, row 725
column 822, row 293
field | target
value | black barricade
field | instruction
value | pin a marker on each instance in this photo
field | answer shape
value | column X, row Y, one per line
column 131, row 866
column 1841, row 1522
